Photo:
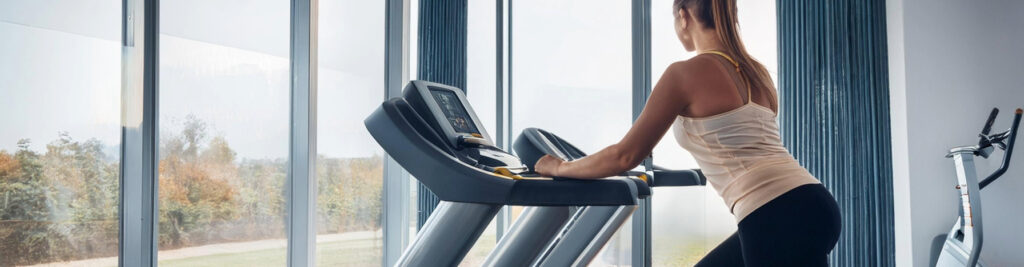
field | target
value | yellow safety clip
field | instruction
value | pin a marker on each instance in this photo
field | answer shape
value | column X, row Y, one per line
column 504, row 172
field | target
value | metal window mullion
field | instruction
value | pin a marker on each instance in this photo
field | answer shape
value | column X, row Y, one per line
column 139, row 112
column 302, row 189
column 641, row 62
column 509, row 109
column 395, row 216
column 504, row 218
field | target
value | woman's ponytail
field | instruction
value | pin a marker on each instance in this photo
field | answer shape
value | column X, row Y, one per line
column 721, row 15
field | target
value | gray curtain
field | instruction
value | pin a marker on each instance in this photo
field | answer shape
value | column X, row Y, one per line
column 442, row 59
column 833, row 86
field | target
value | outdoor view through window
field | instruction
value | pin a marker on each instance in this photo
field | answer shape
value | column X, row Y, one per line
column 60, row 88
column 350, row 166
column 224, row 108
column 572, row 75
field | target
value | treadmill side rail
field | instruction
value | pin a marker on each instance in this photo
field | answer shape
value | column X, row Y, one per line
column 448, row 235
column 528, row 236
column 584, row 235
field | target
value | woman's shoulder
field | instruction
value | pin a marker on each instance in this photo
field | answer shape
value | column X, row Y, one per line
column 696, row 66
column 697, row 70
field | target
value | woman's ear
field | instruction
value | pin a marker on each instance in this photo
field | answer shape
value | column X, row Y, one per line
column 684, row 18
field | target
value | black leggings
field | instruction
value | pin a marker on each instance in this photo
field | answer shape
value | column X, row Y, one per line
column 798, row 228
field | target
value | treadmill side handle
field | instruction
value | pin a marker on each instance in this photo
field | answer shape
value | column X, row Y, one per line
column 663, row 177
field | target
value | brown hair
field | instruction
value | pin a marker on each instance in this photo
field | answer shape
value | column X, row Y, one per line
column 721, row 16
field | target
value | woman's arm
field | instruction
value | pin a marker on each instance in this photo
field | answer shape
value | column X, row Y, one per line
column 665, row 103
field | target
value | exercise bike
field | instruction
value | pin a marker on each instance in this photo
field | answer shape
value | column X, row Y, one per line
column 962, row 245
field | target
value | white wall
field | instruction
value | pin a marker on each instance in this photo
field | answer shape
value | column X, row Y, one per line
column 951, row 61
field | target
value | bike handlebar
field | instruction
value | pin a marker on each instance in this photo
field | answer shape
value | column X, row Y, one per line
column 990, row 121
column 1008, row 150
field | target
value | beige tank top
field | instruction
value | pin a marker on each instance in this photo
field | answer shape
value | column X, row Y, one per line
column 741, row 154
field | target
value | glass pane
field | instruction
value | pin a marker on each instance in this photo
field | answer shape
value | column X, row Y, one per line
column 572, row 76
column 480, row 63
column 224, row 129
column 688, row 222
column 678, row 217
column 350, row 166
column 60, row 87
column 572, row 69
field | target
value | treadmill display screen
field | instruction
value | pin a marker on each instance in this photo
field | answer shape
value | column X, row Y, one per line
column 454, row 111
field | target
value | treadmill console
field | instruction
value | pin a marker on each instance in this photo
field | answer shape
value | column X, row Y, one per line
column 447, row 111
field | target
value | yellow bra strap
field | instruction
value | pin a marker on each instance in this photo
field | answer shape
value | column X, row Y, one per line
column 724, row 55
column 734, row 64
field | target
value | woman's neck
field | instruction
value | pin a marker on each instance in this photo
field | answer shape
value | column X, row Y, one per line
column 707, row 40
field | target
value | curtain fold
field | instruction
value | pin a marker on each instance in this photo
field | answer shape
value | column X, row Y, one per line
column 442, row 59
column 834, row 117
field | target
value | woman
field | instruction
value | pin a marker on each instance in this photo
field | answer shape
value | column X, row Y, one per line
column 722, row 107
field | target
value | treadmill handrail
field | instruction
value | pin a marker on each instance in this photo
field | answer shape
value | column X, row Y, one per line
column 665, row 177
column 533, row 143
column 397, row 128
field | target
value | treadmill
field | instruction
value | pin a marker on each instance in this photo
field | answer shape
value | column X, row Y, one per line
column 433, row 133
column 534, row 222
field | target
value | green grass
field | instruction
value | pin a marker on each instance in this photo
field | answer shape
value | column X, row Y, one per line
column 367, row 252
column 359, row 252
column 271, row 257
column 678, row 254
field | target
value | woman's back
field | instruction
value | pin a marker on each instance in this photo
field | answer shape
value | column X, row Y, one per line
column 737, row 145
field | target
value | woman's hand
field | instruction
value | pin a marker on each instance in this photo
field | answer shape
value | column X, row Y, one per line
column 548, row 165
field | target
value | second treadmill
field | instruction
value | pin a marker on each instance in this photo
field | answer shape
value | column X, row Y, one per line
column 433, row 133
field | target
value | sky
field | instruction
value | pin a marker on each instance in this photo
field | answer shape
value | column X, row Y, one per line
column 226, row 63
column 231, row 70
column 226, row 66
column 60, row 71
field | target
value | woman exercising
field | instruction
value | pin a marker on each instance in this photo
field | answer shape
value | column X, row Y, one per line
column 722, row 107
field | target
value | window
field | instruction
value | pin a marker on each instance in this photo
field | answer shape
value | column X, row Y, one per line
column 224, row 132
column 572, row 70
column 679, row 239
column 350, row 163
column 60, row 85
column 571, row 75
column 480, row 65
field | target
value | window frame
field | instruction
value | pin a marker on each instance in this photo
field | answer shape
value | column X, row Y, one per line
column 140, row 98
column 137, row 210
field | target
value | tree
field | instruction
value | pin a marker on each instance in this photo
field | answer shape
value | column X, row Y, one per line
column 349, row 196
column 196, row 196
column 83, row 197
column 25, row 198
column 59, row 205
